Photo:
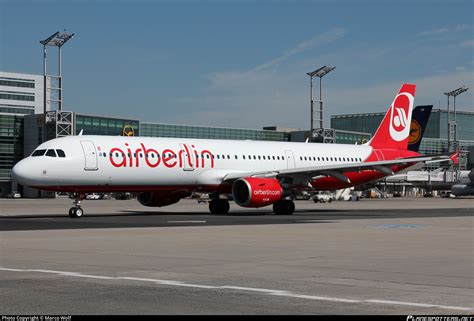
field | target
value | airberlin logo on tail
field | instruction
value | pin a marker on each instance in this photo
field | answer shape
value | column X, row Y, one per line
column 400, row 116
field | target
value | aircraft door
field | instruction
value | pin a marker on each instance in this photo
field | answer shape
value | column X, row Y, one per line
column 90, row 155
column 187, row 157
column 290, row 159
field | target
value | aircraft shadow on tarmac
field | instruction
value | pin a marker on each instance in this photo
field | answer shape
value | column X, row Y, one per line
column 137, row 219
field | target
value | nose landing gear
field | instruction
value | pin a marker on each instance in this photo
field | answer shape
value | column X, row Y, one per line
column 76, row 211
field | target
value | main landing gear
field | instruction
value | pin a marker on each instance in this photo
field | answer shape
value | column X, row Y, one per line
column 76, row 211
column 219, row 206
column 284, row 207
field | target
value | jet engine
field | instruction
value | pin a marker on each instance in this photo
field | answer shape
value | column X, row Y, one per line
column 159, row 199
column 256, row 192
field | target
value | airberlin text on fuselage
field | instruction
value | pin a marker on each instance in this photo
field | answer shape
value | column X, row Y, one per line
column 150, row 157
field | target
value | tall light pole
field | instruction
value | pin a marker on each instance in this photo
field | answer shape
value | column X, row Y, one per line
column 321, row 72
column 57, row 39
column 56, row 122
column 452, row 124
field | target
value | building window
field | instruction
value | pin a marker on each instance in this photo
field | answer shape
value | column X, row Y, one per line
column 11, row 96
column 13, row 83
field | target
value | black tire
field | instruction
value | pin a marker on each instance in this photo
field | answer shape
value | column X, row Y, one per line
column 76, row 212
column 277, row 208
column 219, row 206
column 289, row 208
column 285, row 207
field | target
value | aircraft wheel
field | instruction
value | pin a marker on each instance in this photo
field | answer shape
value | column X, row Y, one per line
column 76, row 212
column 277, row 208
column 219, row 206
column 285, row 207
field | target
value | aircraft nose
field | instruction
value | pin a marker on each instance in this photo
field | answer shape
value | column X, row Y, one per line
column 20, row 172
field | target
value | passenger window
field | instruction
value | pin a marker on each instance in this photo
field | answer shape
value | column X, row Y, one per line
column 263, row 157
column 243, row 156
column 51, row 153
column 228, row 156
column 301, row 157
column 273, row 157
column 60, row 153
column 254, row 157
column 38, row 152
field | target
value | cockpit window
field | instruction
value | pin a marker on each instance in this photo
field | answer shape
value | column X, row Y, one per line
column 60, row 153
column 38, row 152
column 51, row 153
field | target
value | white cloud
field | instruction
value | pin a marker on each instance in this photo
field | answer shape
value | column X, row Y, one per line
column 265, row 95
column 443, row 30
column 279, row 101
column 377, row 98
column 222, row 79
column 468, row 43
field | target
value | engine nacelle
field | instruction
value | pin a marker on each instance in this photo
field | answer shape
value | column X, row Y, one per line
column 159, row 199
column 256, row 192
column 459, row 190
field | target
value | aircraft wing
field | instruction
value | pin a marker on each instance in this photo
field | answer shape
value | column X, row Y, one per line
column 337, row 171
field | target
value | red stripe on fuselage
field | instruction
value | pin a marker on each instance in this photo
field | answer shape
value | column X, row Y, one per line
column 223, row 188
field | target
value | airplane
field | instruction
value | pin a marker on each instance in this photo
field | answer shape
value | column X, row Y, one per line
column 465, row 186
column 419, row 121
column 251, row 173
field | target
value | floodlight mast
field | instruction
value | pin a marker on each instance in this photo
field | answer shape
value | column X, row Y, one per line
column 57, row 39
column 452, row 125
column 320, row 73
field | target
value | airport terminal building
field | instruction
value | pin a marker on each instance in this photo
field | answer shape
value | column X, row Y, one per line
column 22, row 129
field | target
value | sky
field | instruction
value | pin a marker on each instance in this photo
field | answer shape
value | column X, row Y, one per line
column 243, row 63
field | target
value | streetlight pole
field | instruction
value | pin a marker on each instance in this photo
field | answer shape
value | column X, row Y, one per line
column 311, row 102
column 54, row 88
column 453, row 124
column 320, row 73
column 321, row 102
column 58, row 39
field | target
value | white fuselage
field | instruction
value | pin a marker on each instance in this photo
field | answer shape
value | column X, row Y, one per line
column 112, row 161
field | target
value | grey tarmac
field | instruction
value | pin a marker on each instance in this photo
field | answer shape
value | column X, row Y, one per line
column 391, row 256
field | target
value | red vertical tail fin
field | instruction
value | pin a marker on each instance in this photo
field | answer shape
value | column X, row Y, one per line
column 394, row 129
